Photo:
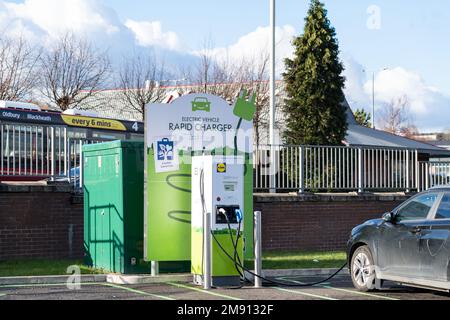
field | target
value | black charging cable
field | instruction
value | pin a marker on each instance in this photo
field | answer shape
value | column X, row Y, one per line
column 273, row 281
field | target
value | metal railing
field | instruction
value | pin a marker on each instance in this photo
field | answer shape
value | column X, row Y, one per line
column 326, row 168
column 37, row 151
column 433, row 174
column 47, row 152
column 41, row 152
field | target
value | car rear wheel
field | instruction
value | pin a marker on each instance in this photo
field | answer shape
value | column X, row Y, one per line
column 363, row 270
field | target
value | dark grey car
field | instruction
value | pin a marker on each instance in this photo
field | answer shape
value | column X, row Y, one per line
column 410, row 245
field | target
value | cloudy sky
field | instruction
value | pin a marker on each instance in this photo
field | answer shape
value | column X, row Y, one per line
column 406, row 44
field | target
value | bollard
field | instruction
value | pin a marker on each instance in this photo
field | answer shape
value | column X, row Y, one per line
column 207, row 252
column 258, row 249
column 155, row 268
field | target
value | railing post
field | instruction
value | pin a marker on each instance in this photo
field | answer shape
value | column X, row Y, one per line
column 302, row 169
column 66, row 167
column 408, row 189
column 81, row 164
column 258, row 249
column 53, row 155
column 273, row 181
column 360, row 170
column 418, row 170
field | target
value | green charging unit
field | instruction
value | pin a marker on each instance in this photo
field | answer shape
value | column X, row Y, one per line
column 113, row 175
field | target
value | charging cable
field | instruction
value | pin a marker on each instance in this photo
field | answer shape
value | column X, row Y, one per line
column 240, row 264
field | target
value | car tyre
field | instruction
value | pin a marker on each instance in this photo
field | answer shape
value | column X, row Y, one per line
column 362, row 269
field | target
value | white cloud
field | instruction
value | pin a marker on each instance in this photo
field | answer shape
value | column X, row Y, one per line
column 255, row 46
column 58, row 16
column 397, row 82
column 429, row 108
column 150, row 33
column 44, row 20
column 355, row 76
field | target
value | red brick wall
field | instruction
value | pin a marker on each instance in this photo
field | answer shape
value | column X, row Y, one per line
column 46, row 223
column 317, row 222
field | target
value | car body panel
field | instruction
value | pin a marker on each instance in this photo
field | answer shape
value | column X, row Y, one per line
column 414, row 252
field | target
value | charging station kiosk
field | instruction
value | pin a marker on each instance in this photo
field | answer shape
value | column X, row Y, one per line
column 218, row 189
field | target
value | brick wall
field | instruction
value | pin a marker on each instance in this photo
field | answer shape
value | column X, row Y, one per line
column 317, row 222
column 47, row 221
column 40, row 222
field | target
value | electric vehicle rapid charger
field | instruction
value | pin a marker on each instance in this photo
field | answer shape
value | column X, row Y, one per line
column 218, row 188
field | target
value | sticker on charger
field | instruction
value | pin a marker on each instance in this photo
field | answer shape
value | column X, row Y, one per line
column 222, row 168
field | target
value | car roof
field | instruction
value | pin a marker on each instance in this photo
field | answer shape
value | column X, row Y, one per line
column 440, row 188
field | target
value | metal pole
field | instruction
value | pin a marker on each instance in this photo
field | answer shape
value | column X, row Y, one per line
column 207, row 252
column 373, row 100
column 258, row 249
column 272, row 99
column 361, row 171
column 302, row 169
column 52, row 145
column 81, row 164
column 155, row 268
column 408, row 188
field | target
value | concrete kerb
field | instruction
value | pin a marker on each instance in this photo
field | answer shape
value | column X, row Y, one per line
column 298, row 273
column 147, row 279
column 45, row 280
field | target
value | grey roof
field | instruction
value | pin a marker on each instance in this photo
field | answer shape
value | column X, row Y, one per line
column 359, row 135
column 110, row 104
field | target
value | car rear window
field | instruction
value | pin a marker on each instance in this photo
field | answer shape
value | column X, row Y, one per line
column 443, row 211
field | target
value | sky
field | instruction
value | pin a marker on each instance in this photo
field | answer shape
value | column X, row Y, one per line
column 405, row 43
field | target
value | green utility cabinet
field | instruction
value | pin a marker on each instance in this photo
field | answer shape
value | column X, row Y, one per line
column 113, row 174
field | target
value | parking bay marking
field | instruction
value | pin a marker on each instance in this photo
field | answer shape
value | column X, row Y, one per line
column 37, row 285
column 306, row 294
column 343, row 290
column 201, row 290
column 137, row 291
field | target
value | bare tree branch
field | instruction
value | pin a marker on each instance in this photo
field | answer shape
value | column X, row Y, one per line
column 140, row 82
column 18, row 69
column 73, row 71
column 396, row 117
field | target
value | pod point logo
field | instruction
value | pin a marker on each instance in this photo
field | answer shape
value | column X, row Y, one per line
column 165, row 150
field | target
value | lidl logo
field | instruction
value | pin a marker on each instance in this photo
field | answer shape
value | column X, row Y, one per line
column 222, row 168
column 201, row 104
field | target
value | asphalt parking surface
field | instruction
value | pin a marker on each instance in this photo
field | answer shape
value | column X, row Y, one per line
column 339, row 288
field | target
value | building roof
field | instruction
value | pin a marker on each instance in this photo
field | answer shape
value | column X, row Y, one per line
column 110, row 104
column 358, row 135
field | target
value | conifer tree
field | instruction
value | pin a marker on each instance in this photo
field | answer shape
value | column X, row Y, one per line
column 314, row 109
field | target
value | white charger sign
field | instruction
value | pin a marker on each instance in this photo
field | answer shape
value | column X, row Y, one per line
column 194, row 122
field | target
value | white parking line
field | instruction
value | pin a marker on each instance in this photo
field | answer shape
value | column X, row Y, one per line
column 203, row 291
column 144, row 293
column 326, row 286
column 306, row 294
column 37, row 285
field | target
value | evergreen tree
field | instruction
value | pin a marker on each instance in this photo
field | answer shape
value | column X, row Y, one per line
column 314, row 84
column 363, row 118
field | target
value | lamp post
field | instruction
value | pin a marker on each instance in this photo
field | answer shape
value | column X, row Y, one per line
column 272, row 98
column 373, row 96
